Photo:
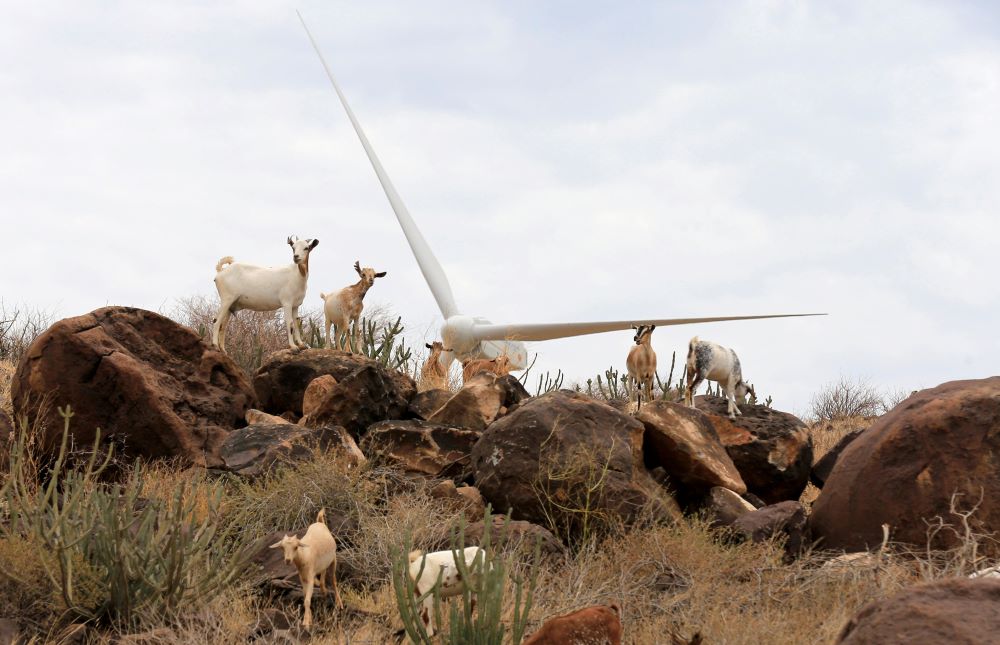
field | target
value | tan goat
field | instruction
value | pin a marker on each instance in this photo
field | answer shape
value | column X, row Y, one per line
column 344, row 307
column 314, row 555
column 499, row 366
column 433, row 374
column 641, row 362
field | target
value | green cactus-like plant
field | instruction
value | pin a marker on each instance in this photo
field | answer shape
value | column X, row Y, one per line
column 114, row 555
column 486, row 581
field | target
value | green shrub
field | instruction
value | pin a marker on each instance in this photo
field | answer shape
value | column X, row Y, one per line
column 112, row 555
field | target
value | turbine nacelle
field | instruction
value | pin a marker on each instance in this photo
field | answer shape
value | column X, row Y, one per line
column 459, row 332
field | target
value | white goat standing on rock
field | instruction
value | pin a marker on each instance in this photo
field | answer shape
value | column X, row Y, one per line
column 313, row 555
column 248, row 286
column 706, row 360
column 641, row 362
column 345, row 306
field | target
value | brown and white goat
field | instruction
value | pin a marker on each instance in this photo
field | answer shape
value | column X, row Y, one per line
column 600, row 625
column 641, row 362
column 707, row 360
column 499, row 366
column 429, row 569
column 343, row 309
column 313, row 555
column 434, row 374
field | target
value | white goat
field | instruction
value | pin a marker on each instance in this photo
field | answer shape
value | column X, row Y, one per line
column 344, row 307
column 314, row 555
column 706, row 360
column 248, row 286
column 425, row 570
column 641, row 362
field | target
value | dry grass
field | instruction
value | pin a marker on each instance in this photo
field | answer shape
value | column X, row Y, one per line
column 7, row 367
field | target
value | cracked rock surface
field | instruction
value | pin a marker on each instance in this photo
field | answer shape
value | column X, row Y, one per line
column 152, row 386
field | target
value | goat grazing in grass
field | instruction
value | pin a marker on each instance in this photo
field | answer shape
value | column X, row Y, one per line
column 641, row 362
column 248, row 286
column 706, row 360
column 499, row 366
column 344, row 307
column 426, row 569
column 600, row 624
column 434, row 374
column 314, row 555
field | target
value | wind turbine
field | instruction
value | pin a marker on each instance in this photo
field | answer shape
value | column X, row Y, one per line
column 474, row 336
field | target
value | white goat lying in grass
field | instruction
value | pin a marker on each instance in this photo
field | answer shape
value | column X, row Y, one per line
column 248, row 286
column 314, row 555
column 706, row 360
column 424, row 570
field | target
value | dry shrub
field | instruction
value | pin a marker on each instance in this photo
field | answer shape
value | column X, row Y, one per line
column 18, row 329
column 7, row 367
column 846, row 398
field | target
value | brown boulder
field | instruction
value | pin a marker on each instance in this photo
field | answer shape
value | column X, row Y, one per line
column 255, row 450
column 316, row 392
column 421, row 447
column 256, row 416
column 954, row 611
column 784, row 519
column 365, row 396
column 148, row 383
column 824, row 466
column 904, row 470
column 482, row 399
column 772, row 450
column 518, row 534
column 466, row 498
column 723, row 507
column 424, row 404
column 562, row 452
column 684, row 442
column 282, row 380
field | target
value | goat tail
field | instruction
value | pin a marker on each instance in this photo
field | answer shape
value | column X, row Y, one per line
column 321, row 516
column 221, row 264
column 415, row 555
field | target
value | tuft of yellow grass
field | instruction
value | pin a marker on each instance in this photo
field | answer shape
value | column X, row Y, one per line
column 7, row 367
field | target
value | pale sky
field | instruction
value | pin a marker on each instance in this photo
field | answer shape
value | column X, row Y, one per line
column 567, row 161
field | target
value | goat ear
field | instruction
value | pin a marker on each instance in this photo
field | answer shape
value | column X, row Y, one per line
column 289, row 240
column 380, row 274
column 357, row 266
column 652, row 327
column 313, row 244
column 428, row 346
column 277, row 545
column 303, row 545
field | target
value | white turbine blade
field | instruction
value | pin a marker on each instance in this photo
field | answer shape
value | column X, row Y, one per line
column 550, row 331
column 429, row 266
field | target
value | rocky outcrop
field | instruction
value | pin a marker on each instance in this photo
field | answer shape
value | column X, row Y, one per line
column 421, row 447
column 955, row 611
column 316, row 392
column 906, row 468
column 482, row 399
column 282, row 380
column 365, row 396
column 517, row 533
column 424, row 404
column 564, row 449
column 151, row 385
column 685, row 444
column 723, row 507
column 824, row 466
column 771, row 449
column 256, row 449
column 786, row 520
